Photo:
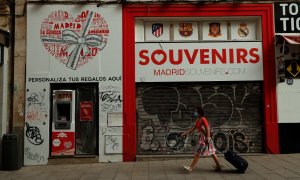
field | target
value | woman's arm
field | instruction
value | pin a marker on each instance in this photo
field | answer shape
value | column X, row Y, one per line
column 189, row 131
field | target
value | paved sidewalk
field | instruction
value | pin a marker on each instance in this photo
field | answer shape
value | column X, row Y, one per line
column 265, row 166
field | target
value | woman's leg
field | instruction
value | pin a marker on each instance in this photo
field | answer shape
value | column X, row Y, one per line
column 195, row 160
column 193, row 163
column 218, row 166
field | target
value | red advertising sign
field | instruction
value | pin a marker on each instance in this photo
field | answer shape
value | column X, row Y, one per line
column 86, row 111
column 63, row 143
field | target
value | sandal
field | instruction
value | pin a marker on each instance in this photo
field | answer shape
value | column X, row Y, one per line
column 188, row 168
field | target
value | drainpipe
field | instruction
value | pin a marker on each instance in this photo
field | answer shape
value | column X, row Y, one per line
column 11, row 4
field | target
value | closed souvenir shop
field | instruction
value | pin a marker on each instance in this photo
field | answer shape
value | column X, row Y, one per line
column 185, row 63
column 220, row 58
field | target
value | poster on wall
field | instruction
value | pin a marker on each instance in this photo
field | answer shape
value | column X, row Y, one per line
column 173, row 62
column 65, row 40
column 86, row 111
column 74, row 40
column 215, row 30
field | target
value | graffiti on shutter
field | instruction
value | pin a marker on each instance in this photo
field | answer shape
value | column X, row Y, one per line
column 234, row 110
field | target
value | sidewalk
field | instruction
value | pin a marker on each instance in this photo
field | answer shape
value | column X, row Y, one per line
column 265, row 166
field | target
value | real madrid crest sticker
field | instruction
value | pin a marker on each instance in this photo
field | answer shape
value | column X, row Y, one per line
column 243, row 30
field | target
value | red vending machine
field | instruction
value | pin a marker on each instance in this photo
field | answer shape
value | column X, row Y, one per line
column 63, row 123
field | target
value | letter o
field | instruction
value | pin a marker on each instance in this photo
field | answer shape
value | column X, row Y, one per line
column 160, row 53
column 66, row 15
column 295, row 12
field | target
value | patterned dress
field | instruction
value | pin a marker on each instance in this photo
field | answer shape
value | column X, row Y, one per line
column 202, row 148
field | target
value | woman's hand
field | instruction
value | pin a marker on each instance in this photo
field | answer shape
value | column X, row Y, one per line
column 207, row 139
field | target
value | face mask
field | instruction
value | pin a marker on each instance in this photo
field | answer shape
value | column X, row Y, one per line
column 196, row 114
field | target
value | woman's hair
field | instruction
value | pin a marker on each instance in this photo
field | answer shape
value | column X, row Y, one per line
column 200, row 111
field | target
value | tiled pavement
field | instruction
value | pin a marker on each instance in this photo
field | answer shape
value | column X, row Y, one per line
column 262, row 166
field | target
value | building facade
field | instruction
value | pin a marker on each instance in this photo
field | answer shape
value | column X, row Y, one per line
column 120, row 80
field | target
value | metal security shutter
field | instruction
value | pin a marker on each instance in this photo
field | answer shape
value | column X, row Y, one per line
column 234, row 110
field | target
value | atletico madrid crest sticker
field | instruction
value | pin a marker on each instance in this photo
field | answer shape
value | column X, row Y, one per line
column 157, row 29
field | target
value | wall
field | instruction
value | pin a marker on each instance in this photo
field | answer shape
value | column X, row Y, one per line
column 19, row 68
column 288, row 95
column 56, row 35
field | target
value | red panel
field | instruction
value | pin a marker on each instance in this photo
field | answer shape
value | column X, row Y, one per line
column 270, row 104
column 265, row 11
column 63, row 143
column 129, row 119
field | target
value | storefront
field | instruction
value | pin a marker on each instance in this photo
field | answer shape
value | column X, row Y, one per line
column 119, row 81
column 220, row 57
column 287, row 50
column 73, row 83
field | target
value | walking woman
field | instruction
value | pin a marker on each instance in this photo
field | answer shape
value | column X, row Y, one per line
column 205, row 144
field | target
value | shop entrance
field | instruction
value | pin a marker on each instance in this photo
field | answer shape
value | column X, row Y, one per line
column 74, row 119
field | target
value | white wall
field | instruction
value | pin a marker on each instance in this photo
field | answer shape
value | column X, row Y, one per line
column 47, row 62
column 288, row 96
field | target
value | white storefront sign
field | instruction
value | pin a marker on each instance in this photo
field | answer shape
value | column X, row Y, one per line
column 225, row 61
